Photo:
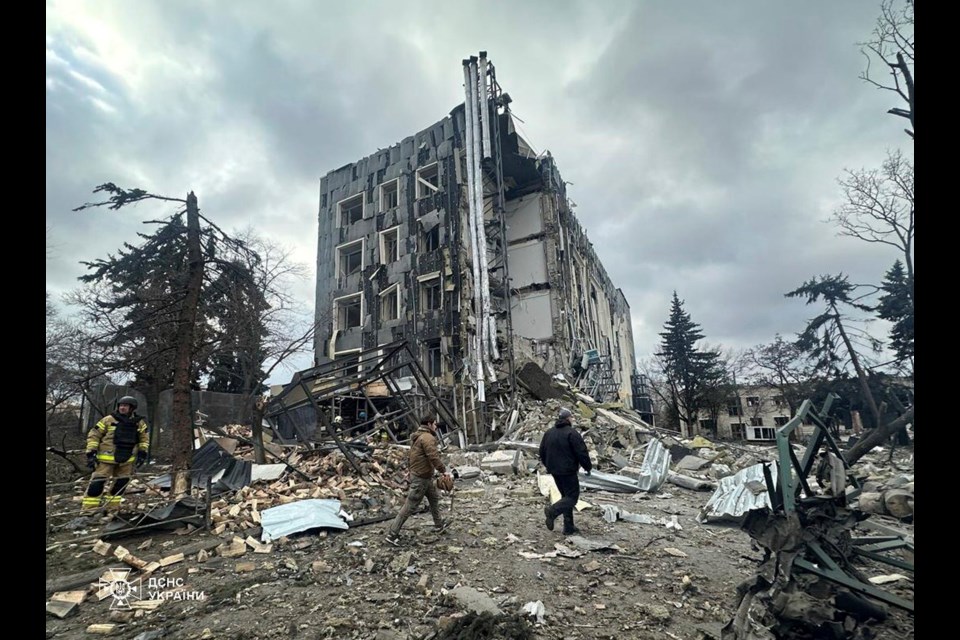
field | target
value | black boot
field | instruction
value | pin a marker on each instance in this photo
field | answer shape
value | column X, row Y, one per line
column 568, row 528
column 550, row 516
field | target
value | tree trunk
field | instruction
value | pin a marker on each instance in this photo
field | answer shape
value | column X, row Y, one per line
column 152, row 393
column 861, row 375
column 877, row 437
column 186, row 327
column 257, row 427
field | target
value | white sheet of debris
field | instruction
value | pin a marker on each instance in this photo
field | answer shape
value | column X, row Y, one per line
column 299, row 516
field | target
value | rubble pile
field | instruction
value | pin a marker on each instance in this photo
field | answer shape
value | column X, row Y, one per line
column 379, row 488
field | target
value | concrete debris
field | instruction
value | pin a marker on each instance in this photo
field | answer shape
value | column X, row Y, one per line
column 505, row 463
column 691, row 463
column 539, row 383
column 473, row 600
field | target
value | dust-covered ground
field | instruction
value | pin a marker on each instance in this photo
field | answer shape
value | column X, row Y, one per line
column 656, row 582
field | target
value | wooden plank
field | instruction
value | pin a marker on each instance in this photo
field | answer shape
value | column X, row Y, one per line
column 102, row 548
column 169, row 560
column 75, row 597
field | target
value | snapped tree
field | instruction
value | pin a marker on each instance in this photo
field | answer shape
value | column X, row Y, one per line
column 179, row 254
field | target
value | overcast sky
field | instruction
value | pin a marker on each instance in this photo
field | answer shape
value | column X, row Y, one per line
column 702, row 139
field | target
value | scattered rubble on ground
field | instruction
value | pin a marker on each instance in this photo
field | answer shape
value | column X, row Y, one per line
column 648, row 562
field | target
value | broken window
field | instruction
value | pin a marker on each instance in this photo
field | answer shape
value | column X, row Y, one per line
column 350, row 258
column 756, row 422
column 390, row 245
column 430, row 240
column 780, row 401
column 708, row 425
column 430, row 295
column 780, row 420
column 352, row 363
column 428, row 181
column 738, row 430
column 390, row 304
column 434, row 363
column 753, row 401
column 734, row 408
column 389, row 195
column 349, row 311
column 351, row 210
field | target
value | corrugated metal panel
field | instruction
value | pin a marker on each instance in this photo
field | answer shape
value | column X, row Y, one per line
column 738, row 494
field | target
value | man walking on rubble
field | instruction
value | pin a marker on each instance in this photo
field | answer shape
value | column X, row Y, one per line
column 114, row 445
column 424, row 459
column 562, row 451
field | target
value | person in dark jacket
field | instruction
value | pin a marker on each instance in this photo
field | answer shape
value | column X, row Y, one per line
column 562, row 452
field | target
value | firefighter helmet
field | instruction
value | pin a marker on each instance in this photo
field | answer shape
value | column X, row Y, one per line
column 130, row 400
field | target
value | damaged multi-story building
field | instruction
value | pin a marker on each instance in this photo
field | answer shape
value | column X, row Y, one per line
column 461, row 240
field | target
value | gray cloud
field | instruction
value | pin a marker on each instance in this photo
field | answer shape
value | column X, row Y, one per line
column 702, row 139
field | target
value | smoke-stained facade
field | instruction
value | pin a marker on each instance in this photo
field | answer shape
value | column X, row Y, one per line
column 462, row 241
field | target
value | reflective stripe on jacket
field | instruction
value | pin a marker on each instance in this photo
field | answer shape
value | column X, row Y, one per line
column 102, row 438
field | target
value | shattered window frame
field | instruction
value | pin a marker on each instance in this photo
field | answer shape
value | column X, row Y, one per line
column 431, row 293
column 345, row 252
column 352, row 358
column 385, row 258
column 430, row 240
column 351, row 208
column 434, row 358
column 390, row 195
column 388, row 308
column 344, row 310
column 756, row 421
column 429, row 174
column 753, row 401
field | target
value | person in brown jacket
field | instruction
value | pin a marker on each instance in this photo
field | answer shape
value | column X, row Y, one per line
column 424, row 459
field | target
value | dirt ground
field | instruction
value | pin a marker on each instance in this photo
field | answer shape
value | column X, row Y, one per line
column 350, row 584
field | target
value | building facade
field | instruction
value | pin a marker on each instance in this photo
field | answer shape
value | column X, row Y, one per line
column 461, row 240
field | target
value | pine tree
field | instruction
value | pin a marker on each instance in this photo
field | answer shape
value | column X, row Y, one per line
column 689, row 372
column 896, row 305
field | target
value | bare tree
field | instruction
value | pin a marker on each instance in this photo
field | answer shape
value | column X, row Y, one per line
column 879, row 207
column 892, row 44
column 782, row 366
